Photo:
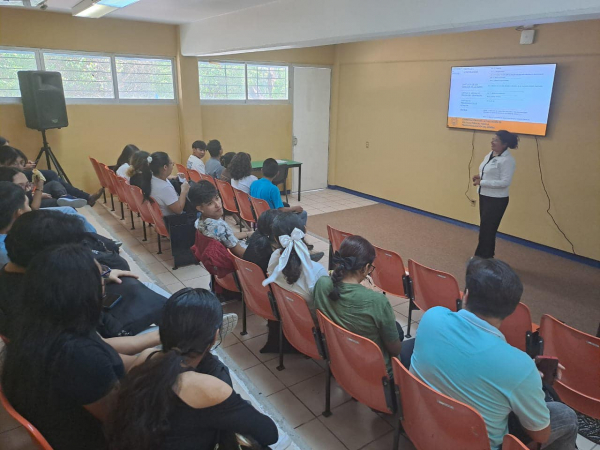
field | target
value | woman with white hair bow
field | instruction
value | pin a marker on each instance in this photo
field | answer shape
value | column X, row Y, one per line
column 290, row 265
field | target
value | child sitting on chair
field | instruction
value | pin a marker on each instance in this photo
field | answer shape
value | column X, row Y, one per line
column 195, row 162
column 206, row 200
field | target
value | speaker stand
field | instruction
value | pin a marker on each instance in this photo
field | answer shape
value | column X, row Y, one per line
column 50, row 157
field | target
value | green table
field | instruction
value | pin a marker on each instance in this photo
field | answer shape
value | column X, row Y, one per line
column 257, row 165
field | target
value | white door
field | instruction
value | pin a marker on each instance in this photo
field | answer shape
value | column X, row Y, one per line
column 312, row 93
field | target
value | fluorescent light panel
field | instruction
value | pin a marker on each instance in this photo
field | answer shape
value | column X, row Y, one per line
column 95, row 9
column 117, row 3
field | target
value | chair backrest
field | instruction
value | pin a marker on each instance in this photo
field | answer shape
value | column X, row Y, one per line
column 432, row 287
column 182, row 169
column 143, row 207
column 433, row 420
column 208, row 178
column 512, row 443
column 194, row 175
column 256, row 295
column 115, row 182
column 579, row 352
column 357, row 365
column 259, row 205
column 282, row 174
column 389, row 272
column 159, row 223
column 99, row 172
column 336, row 237
column 244, row 205
column 36, row 437
column 124, row 186
column 298, row 324
column 515, row 327
column 227, row 195
column 107, row 177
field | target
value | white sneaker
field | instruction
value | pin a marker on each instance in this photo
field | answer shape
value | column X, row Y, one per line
column 229, row 323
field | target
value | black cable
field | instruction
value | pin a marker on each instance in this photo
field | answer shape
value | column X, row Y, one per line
column 470, row 161
column 537, row 144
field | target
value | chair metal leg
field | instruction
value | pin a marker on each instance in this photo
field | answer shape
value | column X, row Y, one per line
column 104, row 194
column 132, row 224
column 144, row 225
column 409, row 319
column 244, row 332
column 112, row 202
column 122, row 211
column 280, row 366
column 397, row 430
column 159, row 245
column 327, row 411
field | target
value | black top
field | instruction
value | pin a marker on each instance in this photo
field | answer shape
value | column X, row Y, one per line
column 86, row 370
column 259, row 251
column 136, row 180
column 11, row 286
column 198, row 428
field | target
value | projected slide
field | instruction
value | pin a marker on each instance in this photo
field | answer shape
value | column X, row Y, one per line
column 491, row 98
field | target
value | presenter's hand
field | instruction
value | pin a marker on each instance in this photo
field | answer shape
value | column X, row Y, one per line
column 477, row 182
column 476, row 177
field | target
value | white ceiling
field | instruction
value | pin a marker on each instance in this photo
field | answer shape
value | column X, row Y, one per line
column 169, row 11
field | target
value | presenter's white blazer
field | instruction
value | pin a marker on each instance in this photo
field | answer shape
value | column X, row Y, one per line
column 496, row 175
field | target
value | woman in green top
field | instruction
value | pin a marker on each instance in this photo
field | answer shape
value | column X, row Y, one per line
column 345, row 301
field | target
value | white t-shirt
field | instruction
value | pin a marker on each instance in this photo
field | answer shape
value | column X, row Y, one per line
column 244, row 183
column 164, row 193
column 195, row 163
column 122, row 171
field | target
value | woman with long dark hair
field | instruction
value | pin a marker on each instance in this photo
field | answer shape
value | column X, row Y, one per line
column 240, row 169
column 125, row 160
column 345, row 301
column 164, row 403
column 139, row 173
column 225, row 161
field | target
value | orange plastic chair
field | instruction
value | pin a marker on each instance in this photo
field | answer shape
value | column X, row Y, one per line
column 429, row 287
column 357, row 365
column 159, row 223
column 433, row 420
column 194, row 175
column 36, row 437
column 512, row 443
column 182, row 169
column 579, row 352
column 335, row 240
column 259, row 205
column 133, row 208
column 244, row 206
column 389, row 274
column 143, row 207
column 208, row 178
column 517, row 328
column 99, row 175
column 118, row 190
column 297, row 324
column 110, row 184
column 228, row 197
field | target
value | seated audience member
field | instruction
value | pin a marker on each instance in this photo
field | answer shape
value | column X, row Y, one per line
column 165, row 404
column 266, row 190
column 225, row 161
column 205, row 197
column 56, row 370
column 465, row 356
column 124, row 160
column 13, row 157
column 13, row 203
column 345, row 301
column 213, row 165
column 195, row 162
column 290, row 265
column 160, row 187
column 260, row 244
column 241, row 172
column 138, row 172
column 15, row 176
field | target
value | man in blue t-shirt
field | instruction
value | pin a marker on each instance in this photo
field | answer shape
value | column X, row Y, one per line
column 267, row 191
column 465, row 356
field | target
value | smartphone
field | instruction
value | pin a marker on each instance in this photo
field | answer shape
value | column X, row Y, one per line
column 110, row 300
column 548, row 365
column 181, row 177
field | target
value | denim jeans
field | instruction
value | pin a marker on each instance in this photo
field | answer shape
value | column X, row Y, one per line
column 68, row 210
column 563, row 422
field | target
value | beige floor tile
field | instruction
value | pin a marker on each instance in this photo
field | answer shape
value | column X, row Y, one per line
column 200, row 282
column 265, row 382
column 385, row 443
column 164, row 256
column 229, row 340
column 172, row 288
column 297, row 369
column 318, row 437
column 312, row 393
column 235, row 306
column 413, row 329
column 292, row 409
column 255, row 344
column 397, row 301
column 584, row 444
column 355, row 424
column 17, row 439
column 144, row 256
column 401, row 319
column 167, row 262
column 155, row 267
column 189, row 272
column 255, row 326
column 241, row 356
column 167, row 278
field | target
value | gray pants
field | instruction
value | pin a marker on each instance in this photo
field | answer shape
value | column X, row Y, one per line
column 563, row 422
column 304, row 218
column 55, row 189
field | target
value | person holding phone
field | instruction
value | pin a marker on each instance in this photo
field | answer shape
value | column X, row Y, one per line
column 494, row 178
column 160, row 188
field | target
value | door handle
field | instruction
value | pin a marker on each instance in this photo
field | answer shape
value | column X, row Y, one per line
column 294, row 141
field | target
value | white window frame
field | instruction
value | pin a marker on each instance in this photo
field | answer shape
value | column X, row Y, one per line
column 39, row 58
column 248, row 101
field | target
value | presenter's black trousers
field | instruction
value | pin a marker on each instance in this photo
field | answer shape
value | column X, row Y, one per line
column 491, row 210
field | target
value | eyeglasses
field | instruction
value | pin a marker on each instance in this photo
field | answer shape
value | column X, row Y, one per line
column 371, row 269
column 105, row 271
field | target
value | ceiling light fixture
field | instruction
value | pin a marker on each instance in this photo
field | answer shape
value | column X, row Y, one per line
column 98, row 8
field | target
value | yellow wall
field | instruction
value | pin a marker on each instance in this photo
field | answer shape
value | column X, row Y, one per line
column 394, row 94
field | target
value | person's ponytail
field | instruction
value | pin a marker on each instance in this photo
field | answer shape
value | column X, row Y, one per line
column 146, row 182
column 337, row 276
column 354, row 254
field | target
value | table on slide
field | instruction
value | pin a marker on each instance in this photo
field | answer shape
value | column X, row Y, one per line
column 257, row 165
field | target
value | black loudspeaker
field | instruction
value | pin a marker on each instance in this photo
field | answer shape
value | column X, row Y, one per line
column 43, row 99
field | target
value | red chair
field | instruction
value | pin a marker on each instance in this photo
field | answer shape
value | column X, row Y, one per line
column 99, row 175
column 512, row 443
column 159, row 223
column 133, row 208
column 579, row 352
column 111, row 187
column 433, row 420
column 259, row 206
column 143, row 207
column 36, row 437
column 118, row 190
column 297, row 324
column 208, row 178
column 228, row 197
column 335, row 240
column 428, row 288
column 244, row 207
column 194, row 175
column 182, row 169
column 517, row 328
column 357, row 365
column 389, row 274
